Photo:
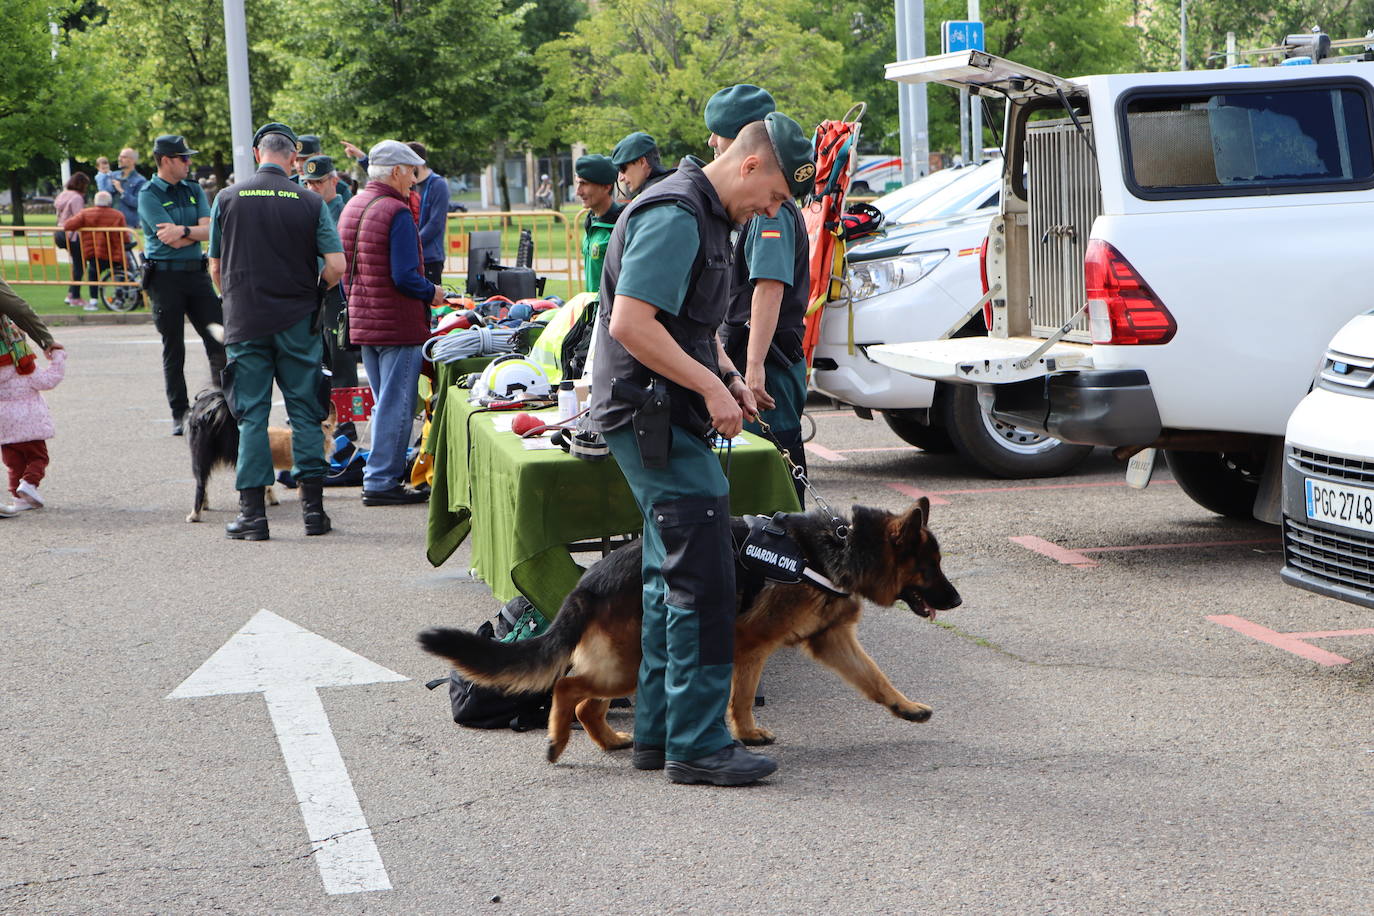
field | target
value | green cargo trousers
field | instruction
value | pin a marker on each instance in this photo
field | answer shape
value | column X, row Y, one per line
column 292, row 357
column 688, row 637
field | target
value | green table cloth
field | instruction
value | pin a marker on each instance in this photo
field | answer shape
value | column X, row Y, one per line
column 523, row 508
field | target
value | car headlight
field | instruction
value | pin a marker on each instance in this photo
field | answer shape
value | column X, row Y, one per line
column 873, row 278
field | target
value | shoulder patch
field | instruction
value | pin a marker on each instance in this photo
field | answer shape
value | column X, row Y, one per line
column 770, row 234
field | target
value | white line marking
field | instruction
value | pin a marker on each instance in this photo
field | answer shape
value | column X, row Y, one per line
column 287, row 664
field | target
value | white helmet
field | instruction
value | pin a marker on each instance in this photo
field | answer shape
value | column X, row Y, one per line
column 511, row 378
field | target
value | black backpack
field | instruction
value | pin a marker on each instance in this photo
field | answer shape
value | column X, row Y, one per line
column 484, row 707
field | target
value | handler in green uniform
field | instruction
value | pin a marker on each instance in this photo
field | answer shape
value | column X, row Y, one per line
column 766, row 320
column 596, row 189
column 311, row 146
column 175, row 219
column 636, row 159
column 268, row 238
column 658, row 389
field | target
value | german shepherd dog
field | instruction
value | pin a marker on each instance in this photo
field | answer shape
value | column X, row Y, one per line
column 213, row 435
column 591, row 651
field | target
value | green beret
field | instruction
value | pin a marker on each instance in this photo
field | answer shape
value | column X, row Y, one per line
column 730, row 109
column 171, row 145
column 318, row 168
column 309, row 144
column 633, row 147
column 794, row 153
column 595, row 168
column 275, row 127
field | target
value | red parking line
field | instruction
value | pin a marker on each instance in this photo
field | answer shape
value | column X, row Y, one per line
column 1289, row 642
column 1054, row 551
column 916, row 493
column 1046, row 486
column 820, row 451
column 886, row 448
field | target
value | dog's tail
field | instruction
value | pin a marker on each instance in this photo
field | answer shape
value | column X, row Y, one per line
column 527, row 666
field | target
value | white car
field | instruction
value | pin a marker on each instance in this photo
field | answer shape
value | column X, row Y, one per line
column 915, row 282
column 1328, row 475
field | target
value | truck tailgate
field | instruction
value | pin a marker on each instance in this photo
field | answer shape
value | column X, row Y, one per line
column 982, row 360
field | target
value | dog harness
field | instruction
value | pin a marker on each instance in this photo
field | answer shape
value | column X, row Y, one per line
column 767, row 551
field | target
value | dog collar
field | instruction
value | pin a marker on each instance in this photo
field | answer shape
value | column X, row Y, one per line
column 823, row 583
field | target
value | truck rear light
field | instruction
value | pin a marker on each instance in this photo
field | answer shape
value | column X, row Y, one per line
column 983, row 278
column 1122, row 309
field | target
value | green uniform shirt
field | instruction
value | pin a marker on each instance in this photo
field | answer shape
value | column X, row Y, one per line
column 182, row 203
column 597, row 235
column 326, row 231
column 661, row 244
column 770, row 247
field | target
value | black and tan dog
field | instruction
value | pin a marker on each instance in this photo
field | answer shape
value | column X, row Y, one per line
column 213, row 436
column 886, row 557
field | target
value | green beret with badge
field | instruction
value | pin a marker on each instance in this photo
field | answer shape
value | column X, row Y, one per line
column 276, row 127
column 309, row 145
column 596, row 168
column 636, row 146
column 730, row 109
column 318, row 168
column 794, row 152
column 171, row 145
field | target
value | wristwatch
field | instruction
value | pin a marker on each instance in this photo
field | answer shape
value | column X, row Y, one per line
column 732, row 373
column 186, row 232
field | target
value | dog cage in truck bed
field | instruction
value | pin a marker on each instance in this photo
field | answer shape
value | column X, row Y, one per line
column 1064, row 197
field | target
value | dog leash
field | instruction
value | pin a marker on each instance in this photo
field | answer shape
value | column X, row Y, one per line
column 839, row 528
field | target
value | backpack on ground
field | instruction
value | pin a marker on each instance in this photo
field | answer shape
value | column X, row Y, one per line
column 475, row 706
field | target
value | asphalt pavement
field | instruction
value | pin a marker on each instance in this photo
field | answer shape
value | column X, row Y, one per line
column 1099, row 745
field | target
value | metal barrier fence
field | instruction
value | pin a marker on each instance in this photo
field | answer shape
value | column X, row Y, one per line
column 30, row 256
column 557, row 252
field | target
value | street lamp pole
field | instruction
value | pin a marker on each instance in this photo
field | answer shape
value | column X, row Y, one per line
column 240, row 101
column 1183, row 34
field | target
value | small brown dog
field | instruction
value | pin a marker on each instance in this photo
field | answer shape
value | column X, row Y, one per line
column 213, row 437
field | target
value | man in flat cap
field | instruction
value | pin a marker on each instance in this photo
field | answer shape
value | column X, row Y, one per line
column 272, row 243
column 175, row 219
column 596, row 189
column 388, row 311
column 766, row 320
column 636, row 159
column 661, row 385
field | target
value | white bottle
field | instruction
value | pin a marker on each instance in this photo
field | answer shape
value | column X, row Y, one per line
column 567, row 400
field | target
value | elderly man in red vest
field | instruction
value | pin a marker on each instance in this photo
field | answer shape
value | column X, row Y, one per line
column 388, row 311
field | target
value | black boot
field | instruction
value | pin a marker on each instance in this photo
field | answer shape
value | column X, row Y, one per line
column 312, row 507
column 251, row 524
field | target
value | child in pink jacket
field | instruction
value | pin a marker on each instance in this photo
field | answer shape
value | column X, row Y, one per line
column 24, row 419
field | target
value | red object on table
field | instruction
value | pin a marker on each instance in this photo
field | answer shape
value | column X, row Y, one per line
column 352, row 404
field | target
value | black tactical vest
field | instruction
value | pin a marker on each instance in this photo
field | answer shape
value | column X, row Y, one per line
column 694, row 327
column 268, row 255
column 787, row 339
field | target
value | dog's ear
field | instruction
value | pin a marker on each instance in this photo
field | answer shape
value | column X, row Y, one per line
column 908, row 527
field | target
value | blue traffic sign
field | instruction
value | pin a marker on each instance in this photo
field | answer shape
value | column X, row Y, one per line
column 962, row 35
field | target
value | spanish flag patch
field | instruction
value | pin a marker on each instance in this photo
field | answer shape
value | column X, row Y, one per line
column 770, row 234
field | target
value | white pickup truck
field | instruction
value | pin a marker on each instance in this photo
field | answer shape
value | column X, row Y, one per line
column 1172, row 253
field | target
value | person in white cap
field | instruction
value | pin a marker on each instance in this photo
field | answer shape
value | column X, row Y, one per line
column 388, row 311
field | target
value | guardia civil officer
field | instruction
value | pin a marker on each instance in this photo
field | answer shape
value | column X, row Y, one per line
column 267, row 238
column 175, row 219
column 319, row 175
column 311, row 146
column 766, row 320
column 596, row 189
column 636, row 158
column 658, row 388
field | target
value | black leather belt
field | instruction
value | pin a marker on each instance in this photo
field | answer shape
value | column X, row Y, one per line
column 183, row 264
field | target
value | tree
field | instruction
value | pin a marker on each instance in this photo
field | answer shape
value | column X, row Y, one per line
column 652, row 64
column 55, row 97
column 422, row 70
column 1209, row 22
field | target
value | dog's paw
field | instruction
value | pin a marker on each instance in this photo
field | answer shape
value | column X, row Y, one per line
column 912, row 712
column 623, row 741
column 272, row 497
column 193, row 517
column 553, row 752
column 756, row 737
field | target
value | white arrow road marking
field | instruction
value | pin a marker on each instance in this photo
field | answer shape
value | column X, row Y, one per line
column 286, row 664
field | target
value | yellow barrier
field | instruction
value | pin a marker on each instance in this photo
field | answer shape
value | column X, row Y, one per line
column 30, row 256
column 557, row 248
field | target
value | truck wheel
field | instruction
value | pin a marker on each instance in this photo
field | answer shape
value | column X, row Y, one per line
column 1224, row 482
column 913, row 432
column 1001, row 449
